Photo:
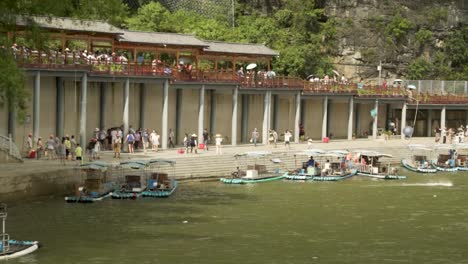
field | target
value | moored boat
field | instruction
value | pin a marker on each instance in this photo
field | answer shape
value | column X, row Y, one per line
column 419, row 160
column 160, row 183
column 446, row 160
column 462, row 156
column 256, row 172
column 96, row 186
column 368, row 164
column 134, row 180
column 10, row 248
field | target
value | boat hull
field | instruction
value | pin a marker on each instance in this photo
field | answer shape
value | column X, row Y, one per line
column 19, row 248
column 406, row 165
column 249, row 181
column 300, row 177
column 455, row 169
column 383, row 177
column 159, row 193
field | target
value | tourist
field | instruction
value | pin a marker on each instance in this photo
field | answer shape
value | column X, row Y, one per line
column 270, row 137
column 137, row 139
column 450, row 134
column 117, row 144
column 275, row 137
column 218, row 141
column 78, row 153
column 62, row 151
column 29, row 144
column 186, row 142
column 144, row 140
column 443, row 134
column 193, row 143
column 311, row 162
column 156, row 141
column 287, row 138
column 50, row 148
column 171, row 138
column 130, row 139
column 254, row 137
column 360, row 84
column 326, row 168
column 437, row 132
column 73, row 147
column 102, row 138
column 39, row 148
column 309, row 143
column 67, row 147
column 206, row 138
column 91, row 144
column 97, row 150
column 152, row 138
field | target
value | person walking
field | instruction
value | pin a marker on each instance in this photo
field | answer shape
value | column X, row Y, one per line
column 130, row 141
column 218, row 141
column 186, row 143
column 193, row 143
column 144, row 140
column 254, row 138
column 287, row 138
column 171, row 138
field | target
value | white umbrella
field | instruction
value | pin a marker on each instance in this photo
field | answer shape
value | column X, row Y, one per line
column 336, row 72
column 412, row 87
column 251, row 66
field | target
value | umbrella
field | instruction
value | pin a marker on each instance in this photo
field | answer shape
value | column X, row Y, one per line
column 251, row 66
column 310, row 77
column 335, row 72
column 412, row 87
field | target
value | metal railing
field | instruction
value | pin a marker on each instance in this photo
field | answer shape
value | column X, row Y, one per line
column 7, row 145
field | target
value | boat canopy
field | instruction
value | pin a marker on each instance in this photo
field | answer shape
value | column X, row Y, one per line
column 133, row 164
column 161, row 162
column 339, row 152
column 256, row 154
column 461, row 146
column 444, row 147
column 370, row 153
column 96, row 165
column 418, row 147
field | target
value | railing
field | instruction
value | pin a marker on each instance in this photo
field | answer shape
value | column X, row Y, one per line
column 7, row 145
column 427, row 98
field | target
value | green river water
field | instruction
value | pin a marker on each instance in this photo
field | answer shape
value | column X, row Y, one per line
column 423, row 219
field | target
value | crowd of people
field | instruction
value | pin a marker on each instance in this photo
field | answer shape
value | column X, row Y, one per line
column 450, row 136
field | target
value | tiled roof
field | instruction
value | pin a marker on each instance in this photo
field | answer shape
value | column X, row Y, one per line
column 239, row 48
column 161, row 38
column 64, row 23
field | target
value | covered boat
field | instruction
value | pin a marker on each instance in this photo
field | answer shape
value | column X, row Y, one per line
column 161, row 182
column 96, row 185
column 445, row 158
column 10, row 248
column 368, row 163
column 419, row 160
column 251, row 168
column 462, row 156
column 134, row 179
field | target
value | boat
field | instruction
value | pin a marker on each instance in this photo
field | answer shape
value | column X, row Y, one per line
column 96, row 186
column 445, row 160
column 419, row 160
column 369, row 165
column 336, row 172
column 160, row 184
column 10, row 248
column 462, row 156
column 134, row 180
column 256, row 172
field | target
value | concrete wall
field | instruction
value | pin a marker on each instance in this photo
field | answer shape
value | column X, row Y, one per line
column 313, row 113
column 4, row 120
column 93, row 109
column 72, row 95
column 223, row 115
column 365, row 120
column 338, row 118
column 286, row 113
column 189, row 112
column 255, row 118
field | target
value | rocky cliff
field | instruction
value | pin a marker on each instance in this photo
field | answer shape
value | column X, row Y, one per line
column 393, row 32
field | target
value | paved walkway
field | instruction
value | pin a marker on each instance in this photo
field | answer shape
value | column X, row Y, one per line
column 395, row 147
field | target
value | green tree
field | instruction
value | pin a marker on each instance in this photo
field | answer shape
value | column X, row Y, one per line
column 419, row 69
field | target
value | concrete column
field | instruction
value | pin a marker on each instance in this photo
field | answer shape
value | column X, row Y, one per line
column 466, row 118
column 266, row 117
column 83, row 106
column 297, row 119
column 212, row 112
column 442, row 117
column 165, row 115
column 12, row 120
column 403, row 120
column 419, row 86
column 103, row 104
column 376, row 119
column 350, row 118
column 356, row 115
column 235, row 95
column 178, row 115
column 245, row 118
column 36, row 104
column 442, row 86
column 466, row 87
column 60, row 104
column 429, row 123
column 275, row 106
column 142, row 105
column 201, row 111
column 325, row 117
column 125, row 118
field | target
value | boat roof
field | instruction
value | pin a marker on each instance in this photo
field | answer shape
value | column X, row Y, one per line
column 260, row 153
column 461, row 146
column 96, row 165
column 444, row 146
column 371, row 153
column 419, row 147
column 342, row 152
column 161, row 161
column 133, row 164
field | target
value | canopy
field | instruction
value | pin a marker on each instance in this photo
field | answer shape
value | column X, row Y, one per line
column 418, row 147
column 259, row 153
column 371, row 153
column 161, row 161
column 339, row 151
column 461, row 146
column 443, row 147
column 96, row 165
column 133, row 164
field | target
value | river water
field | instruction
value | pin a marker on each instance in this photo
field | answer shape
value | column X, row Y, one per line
column 423, row 219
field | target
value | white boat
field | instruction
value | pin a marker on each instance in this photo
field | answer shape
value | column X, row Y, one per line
column 462, row 156
column 369, row 164
column 10, row 248
column 445, row 160
column 419, row 160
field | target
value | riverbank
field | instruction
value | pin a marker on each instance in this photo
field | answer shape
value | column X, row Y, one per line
column 49, row 177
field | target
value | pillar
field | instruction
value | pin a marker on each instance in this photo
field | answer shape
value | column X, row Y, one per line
column 60, row 110
column 178, row 115
column 142, row 105
column 235, row 94
column 213, row 103
column 376, row 118
column 466, row 88
column 266, row 117
column 165, row 115
column 83, row 106
column 297, row 120
column 103, row 105
column 201, row 111
column 466, row 118
column 275, row 106
column 442, row 117
column 325, row 117
column 12, row 119
column 350, row 118
column 403, row 120
column 245, row 118
column 429, row 123
column 125, row 118
column 36, row 104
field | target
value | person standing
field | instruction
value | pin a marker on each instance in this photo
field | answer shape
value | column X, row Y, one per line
column 29, row 144
column 156, row 141
column 79, row 154
column 130, row 141
column 144, row 139
column 287, row 139
column 443, row 134
column 193, row 143
column 50, row 150
column 73, row 147
column 206, row 138
column 117, row 144
column 218, row 140
column 153, row 140
column 254, row 138
column 171, row 138
column 275, row 137
column 68, row 147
